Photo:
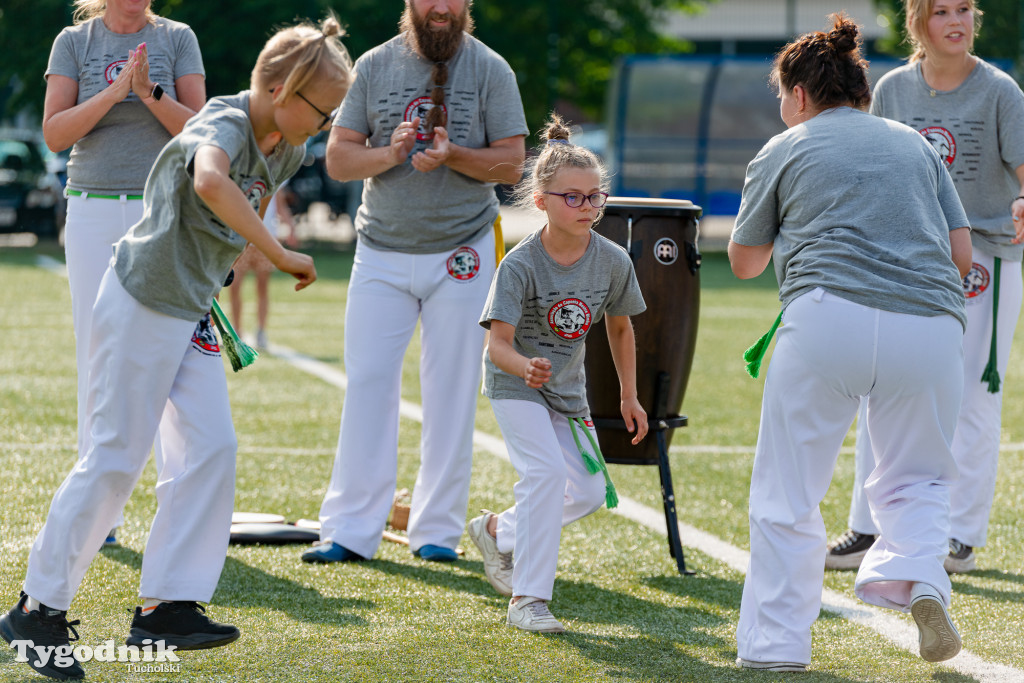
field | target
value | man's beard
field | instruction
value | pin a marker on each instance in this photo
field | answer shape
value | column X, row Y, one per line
column 436, row 45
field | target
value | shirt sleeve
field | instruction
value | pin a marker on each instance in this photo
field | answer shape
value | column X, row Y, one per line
column 1010, row 115
column 626, row 298
column 949, row 200
column 188, row 59
column 502, row 105
column 758, row 220
column 505, row 300
column 62, row 57
column 352, row 113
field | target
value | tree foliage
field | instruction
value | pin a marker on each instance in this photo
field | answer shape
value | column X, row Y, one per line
column 563, row 53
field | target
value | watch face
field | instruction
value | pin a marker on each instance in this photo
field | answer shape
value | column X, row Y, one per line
column 158, row 92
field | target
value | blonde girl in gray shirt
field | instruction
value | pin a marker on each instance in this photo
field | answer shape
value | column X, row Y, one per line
column 545, row 297
column 203, row 203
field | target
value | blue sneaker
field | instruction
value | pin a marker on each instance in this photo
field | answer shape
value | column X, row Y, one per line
column 325, row 553
column 436, row 553
column 111, row 539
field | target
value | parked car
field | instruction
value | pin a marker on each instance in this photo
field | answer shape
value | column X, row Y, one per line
column 312, row 184
column 31, row 198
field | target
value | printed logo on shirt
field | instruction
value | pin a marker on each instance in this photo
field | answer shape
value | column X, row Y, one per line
column 113, row 70
column 464, row 264
column 976, row 281
column 420, row 107
column 943, row 142
column 204, row 340
column 666, row 251
column 255, row 194
column 587, row 421
column 569, row 318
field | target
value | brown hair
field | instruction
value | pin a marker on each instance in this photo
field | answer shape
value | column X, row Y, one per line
column 829, row 66
column 87, row 9
column 297, row 55
column 918, row 13
column 554, row 154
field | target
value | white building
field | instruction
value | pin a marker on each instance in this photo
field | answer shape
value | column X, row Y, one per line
column 733, row 22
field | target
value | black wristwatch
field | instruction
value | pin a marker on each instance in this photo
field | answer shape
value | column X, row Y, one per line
column 155, row 95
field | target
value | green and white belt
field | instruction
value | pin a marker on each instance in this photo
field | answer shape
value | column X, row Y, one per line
column 594, row 463
column 92, row 195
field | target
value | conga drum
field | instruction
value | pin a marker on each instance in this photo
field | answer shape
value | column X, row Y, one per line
column 660, row 236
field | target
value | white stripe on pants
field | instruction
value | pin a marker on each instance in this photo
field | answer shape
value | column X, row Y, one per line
column 140, row 362
column 554, row 490
column 979, row 424
column 828, row 354
column 388, row 292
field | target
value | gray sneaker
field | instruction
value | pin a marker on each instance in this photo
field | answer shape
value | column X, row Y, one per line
column 961, row 558
column 938, row 636
column 497, row 565
column 532, row 614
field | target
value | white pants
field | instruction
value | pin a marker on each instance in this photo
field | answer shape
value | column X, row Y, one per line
column 554, row 490
column 978, row 427
column 93, row 227
column 387, row 294
column 829, row 354
column 142, row 364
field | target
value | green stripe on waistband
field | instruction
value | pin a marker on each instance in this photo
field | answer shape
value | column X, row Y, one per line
column 87, row 195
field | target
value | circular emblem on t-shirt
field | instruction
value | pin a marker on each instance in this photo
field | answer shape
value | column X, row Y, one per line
column 420, row 107
column 666, row 251
column 464, row 264
column 943, row 142
column 976, row 281
column 569, row 318
column 257, row 191
column 113, row 70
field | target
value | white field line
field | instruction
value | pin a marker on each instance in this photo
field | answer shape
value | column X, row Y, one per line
column 884, row 623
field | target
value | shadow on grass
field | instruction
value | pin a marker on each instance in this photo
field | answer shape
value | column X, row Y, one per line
column 442, row 576
column 965, row 587
column 244, row 586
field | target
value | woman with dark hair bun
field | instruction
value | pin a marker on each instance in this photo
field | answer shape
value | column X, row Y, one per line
column 869, row 252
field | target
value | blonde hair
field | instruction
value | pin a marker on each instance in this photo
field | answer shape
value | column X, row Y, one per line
column 918, row 13
column 554, row 154
column 299, row 54
column 88, row 9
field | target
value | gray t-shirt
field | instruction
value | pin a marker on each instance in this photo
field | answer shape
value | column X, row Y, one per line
column 860, row 206
column 553, row 307
column 424, row 213
column 175, row 259
column 978, row 131
column 117, row 154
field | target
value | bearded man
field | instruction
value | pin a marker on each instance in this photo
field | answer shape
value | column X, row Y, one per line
column 428, row 203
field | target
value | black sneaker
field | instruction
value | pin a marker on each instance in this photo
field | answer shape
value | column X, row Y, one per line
column 43, row 628
column 182, row 624
column 847, row 551
column 961, row 558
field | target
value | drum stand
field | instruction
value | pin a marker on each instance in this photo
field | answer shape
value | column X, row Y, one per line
column 659, row 424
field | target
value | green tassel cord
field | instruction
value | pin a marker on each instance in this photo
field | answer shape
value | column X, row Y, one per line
column 991, row 373
column 755, row 354
column 594, row 464
column 238, row 352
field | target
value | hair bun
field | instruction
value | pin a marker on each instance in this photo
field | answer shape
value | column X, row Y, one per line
column 844, row 35
column 330, row 27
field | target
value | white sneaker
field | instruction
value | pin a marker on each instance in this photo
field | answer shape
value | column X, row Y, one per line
column 532, row 614
column 938, row 636
column 261, row 340
column 497, row 565
column 795, row 667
